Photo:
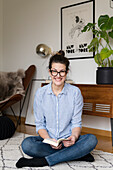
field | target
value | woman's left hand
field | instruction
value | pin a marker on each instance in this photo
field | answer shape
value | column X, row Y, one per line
column 57, row 147
column 71, row 141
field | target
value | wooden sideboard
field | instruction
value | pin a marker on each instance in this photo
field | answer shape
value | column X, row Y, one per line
column 98, row 100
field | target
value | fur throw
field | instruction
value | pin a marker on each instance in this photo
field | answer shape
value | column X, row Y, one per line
column 11, row 83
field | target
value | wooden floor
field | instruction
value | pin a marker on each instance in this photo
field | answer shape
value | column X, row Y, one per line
column 104, row 143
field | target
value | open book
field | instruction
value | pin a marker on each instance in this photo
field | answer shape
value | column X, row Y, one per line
column 54, row 143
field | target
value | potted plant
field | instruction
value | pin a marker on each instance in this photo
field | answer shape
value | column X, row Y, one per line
column 101, row 46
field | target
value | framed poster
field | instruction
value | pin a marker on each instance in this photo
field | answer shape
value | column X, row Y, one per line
column 73, row 19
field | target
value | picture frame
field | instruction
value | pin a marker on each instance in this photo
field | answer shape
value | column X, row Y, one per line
column 73, row 19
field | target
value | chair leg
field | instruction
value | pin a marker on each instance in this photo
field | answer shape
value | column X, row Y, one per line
column 17, row 120
column 13, row 112
column 22, row 105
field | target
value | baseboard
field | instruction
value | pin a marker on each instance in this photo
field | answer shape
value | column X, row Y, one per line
column 84, row 129
column 97, row 131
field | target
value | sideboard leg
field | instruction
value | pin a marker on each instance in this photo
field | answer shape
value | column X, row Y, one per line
column 112, row 129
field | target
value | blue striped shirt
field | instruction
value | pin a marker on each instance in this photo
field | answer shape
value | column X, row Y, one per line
column 58, row 114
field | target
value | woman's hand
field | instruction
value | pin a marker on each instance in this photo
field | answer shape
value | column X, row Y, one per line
column 71, row 141
column 56, row 147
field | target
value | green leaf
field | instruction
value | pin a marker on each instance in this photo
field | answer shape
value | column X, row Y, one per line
column 103, row 22
column 95, row 32
column 104, row 35
column 97, row 59
column 93, row 45
column 105, row 53
column 84, row 29
column 88, row 27
column 110, row 23
column 111, row 34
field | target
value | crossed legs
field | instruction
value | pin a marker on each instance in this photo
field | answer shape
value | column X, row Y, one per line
column 43, row 154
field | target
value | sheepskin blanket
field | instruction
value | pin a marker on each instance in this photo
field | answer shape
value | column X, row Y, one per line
column 10, row 84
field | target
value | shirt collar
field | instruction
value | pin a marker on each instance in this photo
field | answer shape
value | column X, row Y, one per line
column 64, row 90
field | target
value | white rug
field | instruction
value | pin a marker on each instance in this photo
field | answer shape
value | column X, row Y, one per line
column 10, row 152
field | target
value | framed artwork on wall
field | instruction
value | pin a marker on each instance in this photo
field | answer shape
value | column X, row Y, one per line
column 73, row 19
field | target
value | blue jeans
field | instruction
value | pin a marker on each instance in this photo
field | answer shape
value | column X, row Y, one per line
column 34, row 147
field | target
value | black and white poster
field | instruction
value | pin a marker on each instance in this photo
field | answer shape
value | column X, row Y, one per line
column 73, row 19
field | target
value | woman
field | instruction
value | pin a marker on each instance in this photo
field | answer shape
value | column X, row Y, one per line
column 58, row 110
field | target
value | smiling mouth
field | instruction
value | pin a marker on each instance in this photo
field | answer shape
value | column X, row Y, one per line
column 58, row 79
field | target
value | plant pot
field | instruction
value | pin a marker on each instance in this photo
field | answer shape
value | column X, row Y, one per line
column 104, row 75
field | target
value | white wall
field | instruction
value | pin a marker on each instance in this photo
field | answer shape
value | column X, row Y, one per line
column 27, row 23
column 1, row 33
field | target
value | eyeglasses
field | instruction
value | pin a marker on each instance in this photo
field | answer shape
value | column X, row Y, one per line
column 62, row 73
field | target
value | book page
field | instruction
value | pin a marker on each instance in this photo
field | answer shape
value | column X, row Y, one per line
column 54, row 143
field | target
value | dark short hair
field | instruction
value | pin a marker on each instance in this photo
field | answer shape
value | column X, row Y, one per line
column 59, row 57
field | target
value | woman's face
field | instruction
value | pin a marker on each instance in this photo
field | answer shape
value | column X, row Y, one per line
column 58, row 73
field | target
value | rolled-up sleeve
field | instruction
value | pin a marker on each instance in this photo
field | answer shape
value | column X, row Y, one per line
column 78, row 106
column 38, row 111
